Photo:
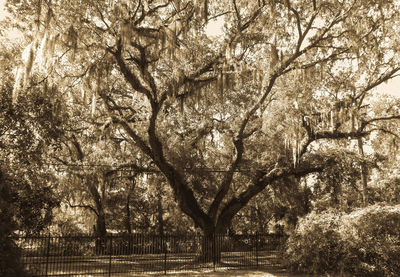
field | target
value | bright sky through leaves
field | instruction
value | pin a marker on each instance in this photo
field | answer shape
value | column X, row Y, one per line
column 2, row 10
column 214, row 28
column 12, row 33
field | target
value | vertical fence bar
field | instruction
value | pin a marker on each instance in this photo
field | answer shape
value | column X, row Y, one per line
column 165, row 254
column 214, row 250
column 71, row 260
column 257, row 249
column 220, row 246
column 47, row 254
column 110, row 260
column 56, row 259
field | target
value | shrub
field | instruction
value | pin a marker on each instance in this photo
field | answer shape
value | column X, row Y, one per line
column 373, row 237
column 366, row 241
column 10, row 258
column 316, row 245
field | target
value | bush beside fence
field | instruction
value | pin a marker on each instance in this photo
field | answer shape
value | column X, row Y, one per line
column 365, row 242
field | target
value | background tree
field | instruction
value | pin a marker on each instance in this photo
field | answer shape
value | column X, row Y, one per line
column 27, row 130
column 26, row 196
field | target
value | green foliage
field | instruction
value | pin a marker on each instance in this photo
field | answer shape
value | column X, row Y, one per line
column 10, row 259
column 26, row 195
column 315, row 246
column 377, row 241
column 279, row 206
column 388, row 190
column 33, row 206
column 365, row 241
column 337, row 185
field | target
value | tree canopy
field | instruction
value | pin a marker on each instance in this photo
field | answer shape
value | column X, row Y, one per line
column 224, row 117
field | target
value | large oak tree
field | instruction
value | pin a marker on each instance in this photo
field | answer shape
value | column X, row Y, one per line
column 221, row 117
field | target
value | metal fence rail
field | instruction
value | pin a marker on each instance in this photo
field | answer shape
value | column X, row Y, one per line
column 139, row 253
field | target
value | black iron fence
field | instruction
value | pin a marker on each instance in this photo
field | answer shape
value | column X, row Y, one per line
column 138, row 253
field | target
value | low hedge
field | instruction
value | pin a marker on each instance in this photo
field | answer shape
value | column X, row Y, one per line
column 364, row 242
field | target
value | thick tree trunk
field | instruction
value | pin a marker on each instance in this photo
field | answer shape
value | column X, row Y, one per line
column 210, row 250
column 207, row 254
column 211, row 246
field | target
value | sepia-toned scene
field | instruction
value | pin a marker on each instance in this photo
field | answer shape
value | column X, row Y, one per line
column 199, row 138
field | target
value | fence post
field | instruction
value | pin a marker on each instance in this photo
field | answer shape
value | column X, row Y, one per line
column 257, row 248
column 165, row 254
column 110, row 260
column 214, row 248
column 47, row 254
